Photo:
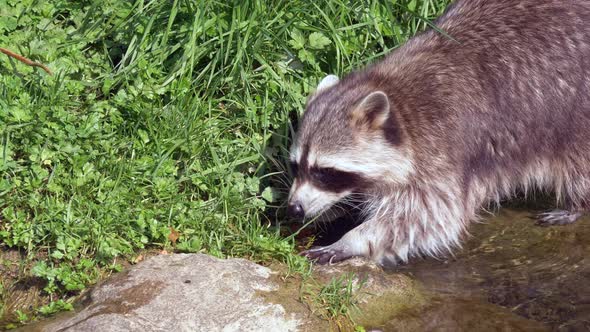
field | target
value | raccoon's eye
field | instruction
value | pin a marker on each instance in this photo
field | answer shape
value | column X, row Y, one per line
column 294, row 168
column 333, row 179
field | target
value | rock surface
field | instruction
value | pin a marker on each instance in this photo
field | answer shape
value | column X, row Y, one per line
column 196, row 292
column 182, row 292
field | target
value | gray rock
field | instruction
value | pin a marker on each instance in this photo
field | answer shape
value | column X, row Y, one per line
column 196, row 292
column 182, row 292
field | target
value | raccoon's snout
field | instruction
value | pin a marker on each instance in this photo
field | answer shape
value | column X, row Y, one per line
column 295, row 210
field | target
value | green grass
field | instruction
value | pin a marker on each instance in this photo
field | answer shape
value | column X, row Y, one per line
column 165, row 116
column 334, row 301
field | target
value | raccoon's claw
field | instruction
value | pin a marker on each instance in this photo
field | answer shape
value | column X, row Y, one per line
column 326, row 255
column 557, row 217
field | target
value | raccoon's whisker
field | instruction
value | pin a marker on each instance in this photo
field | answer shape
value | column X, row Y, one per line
column 351, row 205
column 332, row 213
column 284, row 182
column 357, row 197
column 362, row 195
column 281, row 190
column 358, row 193
column 360, row 198
column 341, row 208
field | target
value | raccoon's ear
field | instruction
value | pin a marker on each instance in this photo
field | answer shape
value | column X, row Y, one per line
column 372, row 113
column 327, row 82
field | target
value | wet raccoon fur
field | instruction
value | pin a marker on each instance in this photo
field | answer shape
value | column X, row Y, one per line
column 424, row 139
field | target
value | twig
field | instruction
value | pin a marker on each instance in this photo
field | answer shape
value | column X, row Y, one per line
column 25, row 60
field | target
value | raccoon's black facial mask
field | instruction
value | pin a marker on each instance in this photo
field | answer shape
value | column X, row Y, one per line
column 328, row 178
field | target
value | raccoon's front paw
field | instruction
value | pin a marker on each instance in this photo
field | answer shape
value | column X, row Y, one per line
column 327, row 254
column 557, row 217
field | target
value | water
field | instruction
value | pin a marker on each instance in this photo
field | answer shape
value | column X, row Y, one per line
column 538, row 273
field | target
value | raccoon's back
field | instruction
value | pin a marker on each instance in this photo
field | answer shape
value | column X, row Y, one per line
column 510, row 86
column 513, row 69
column 527, row 55
column 530, row 60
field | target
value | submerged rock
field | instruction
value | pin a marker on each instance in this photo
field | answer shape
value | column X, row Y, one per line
column 392, row 301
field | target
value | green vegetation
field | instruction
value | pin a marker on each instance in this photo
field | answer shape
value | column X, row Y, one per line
column 335, row 300
column 165, row 124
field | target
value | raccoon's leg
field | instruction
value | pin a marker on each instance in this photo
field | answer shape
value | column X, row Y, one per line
column 569, row 215
column 329, row 254
column 364, row 240
column 558, row 217
column 577, row 202
column 416, row 225
column 340, row 250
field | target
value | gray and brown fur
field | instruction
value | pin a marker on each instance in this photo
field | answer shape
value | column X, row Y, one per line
column 441, row 127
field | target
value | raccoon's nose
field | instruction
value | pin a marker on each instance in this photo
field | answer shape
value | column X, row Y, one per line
column 295, row 210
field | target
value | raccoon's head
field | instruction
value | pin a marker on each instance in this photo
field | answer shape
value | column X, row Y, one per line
column 349, row 140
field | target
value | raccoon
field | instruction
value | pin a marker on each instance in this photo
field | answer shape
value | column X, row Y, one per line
column 447, row 124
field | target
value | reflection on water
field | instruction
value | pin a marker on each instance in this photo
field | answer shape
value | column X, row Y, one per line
column 539, row 273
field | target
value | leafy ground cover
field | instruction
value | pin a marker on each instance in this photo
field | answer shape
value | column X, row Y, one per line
column 165, row 125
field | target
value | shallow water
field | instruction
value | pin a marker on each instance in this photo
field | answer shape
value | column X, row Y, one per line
column 538, row 273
